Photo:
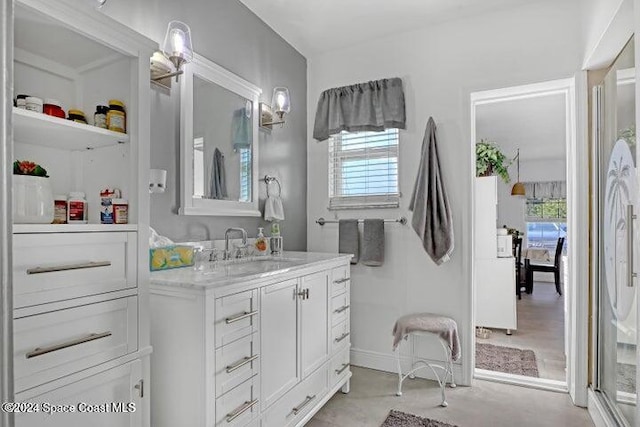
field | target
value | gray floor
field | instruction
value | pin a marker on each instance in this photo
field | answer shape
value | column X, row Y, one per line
column 540, row 328
column 485, row 404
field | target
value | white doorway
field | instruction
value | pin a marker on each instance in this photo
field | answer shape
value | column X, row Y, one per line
column 554, row 170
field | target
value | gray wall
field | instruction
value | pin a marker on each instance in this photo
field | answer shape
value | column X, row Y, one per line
column 229, row 34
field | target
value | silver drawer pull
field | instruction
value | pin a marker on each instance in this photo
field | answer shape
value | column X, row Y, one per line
column 79, row 266
column 341, row 309
column 44, row 350
column 241, row 410
column 343, row 336
column 337, row 282
column 342, row 369
column 301, row 406
column 241, row 363
column 241, row 316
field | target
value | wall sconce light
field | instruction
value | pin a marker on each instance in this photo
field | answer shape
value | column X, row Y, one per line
column 177, row 50
column 157, row 180
column 280, row 105
column 518, row 189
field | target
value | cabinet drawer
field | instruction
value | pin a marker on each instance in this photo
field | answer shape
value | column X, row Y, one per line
column 236, row 316
column 239, row 406
column 114, row 385
column 339, row 367
column 340, row 336
column 340, row 279
column 339, row 308
column 236, row 363
column 51, row 345
column 55, row 267
column 298, row 402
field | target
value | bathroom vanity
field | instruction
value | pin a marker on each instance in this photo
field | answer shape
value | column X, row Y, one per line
column 257, row 342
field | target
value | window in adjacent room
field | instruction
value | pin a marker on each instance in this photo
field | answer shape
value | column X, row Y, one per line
column 363, row 170
column 546, row 222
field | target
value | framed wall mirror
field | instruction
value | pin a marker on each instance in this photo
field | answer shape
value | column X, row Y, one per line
column 218, row 142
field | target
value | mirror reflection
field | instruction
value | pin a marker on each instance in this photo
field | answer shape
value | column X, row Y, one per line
column 222, row 139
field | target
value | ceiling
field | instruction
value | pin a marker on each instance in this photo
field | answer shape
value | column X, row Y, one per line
column 315, row 26
column 535, row 125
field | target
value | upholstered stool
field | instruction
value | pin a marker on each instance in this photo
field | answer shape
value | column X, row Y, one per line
column 446, row 329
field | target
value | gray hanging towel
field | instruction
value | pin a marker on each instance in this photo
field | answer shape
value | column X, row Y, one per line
column 429, row 203
column 373, row 242
column 218, row 188
column 349, row 239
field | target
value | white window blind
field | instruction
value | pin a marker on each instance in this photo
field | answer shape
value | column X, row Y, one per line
column 245, row 174
column 363, row 170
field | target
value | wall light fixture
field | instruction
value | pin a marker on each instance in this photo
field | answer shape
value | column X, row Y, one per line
column 177, row 50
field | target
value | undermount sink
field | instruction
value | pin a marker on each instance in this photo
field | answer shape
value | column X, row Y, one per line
column 249, row 265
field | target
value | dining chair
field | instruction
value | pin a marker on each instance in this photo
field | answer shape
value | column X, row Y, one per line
column 546, row 268
column 517, row 253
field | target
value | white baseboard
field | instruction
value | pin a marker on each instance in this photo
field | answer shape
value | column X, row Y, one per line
column 386, row 362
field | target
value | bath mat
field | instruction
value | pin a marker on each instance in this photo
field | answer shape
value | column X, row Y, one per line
column 402, row 419
column 506, row 359
column 626, row 380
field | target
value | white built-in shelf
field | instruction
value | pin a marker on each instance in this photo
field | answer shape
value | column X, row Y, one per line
column 48, row 131
column 71, row 228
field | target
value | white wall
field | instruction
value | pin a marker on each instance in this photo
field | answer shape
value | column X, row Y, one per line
column 597, row 15
column 440, row 67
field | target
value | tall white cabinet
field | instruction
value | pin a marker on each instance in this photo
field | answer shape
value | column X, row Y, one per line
column 494, row 278
column 81, row 298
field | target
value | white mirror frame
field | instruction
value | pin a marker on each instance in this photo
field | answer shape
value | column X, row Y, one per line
column 212, row 72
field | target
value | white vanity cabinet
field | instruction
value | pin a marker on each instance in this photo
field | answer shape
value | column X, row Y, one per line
column 252, row 351
column 81, row 292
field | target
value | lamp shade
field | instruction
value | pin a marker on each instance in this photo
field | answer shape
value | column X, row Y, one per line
column 177, row 43
column 281, row 103
column 518, row 189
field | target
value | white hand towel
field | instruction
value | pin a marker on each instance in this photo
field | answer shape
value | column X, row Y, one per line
column 273, row 209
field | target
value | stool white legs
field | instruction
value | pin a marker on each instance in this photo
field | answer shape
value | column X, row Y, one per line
column 417, row 364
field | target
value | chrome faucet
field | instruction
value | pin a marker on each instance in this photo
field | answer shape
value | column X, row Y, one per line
column 227, row 254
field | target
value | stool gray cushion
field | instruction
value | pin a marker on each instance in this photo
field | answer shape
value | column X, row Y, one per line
column 445, row 327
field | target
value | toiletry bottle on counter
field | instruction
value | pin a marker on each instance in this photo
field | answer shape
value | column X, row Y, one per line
column 261, row 242
column 106, row 204
column 276, row 239
column 60, row 209
column 76, row 208
column 120, row 211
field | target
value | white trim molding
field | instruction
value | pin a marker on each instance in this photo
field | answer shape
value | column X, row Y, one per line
column 576, row 291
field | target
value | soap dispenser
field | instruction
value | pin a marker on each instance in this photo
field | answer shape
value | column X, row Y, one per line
column 261, row 242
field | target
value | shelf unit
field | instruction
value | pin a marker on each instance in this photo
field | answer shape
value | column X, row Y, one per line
column 72, row 228
column 73, row 271
column 47, row 131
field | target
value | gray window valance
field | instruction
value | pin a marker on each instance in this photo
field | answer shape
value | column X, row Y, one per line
column 546, row 190
column 372, row 106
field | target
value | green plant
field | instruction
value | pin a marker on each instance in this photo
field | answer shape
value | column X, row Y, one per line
column 25, row 167
column 491, row 161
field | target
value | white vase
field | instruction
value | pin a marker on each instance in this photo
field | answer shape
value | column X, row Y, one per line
column 32, row 200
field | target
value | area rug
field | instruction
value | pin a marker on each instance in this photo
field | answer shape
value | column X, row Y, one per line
column 506, row 359
column 402, row 419
column 626, row 379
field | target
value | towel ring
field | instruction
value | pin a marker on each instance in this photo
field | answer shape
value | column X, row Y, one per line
column 268, row 180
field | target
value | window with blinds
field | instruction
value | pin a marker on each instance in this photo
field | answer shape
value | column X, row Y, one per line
column 245, row 174
column 363, row 170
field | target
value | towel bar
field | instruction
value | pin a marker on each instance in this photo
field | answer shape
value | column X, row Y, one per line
column 321, row 221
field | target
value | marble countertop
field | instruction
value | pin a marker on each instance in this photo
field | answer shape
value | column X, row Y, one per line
column 224, row 273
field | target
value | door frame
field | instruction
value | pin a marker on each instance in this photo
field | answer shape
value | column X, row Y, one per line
column 577, row 290
column 6, row 158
